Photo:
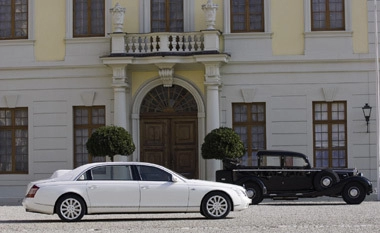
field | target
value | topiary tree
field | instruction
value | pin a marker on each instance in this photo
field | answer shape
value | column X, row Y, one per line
column 110, row 141
column 222, row 143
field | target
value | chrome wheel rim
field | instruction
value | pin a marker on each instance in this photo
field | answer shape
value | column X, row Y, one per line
column 71, row 208
column 354, row 192
column 251, row 193
column 217, row 206
column 326, row 181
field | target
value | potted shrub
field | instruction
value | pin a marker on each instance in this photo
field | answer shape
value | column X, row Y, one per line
column 110, row 141
column 224, row 144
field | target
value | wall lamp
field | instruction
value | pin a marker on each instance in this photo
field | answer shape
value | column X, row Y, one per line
column 367, row 113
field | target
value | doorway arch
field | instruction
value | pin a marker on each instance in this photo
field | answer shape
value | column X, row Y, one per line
column 199, row 117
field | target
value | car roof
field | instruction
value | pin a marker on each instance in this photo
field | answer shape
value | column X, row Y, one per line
column 79, row 170
column 280, row 153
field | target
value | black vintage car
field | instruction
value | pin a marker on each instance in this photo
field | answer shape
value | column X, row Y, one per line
column 288, row 175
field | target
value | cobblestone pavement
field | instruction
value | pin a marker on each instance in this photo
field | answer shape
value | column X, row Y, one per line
column 270, row 216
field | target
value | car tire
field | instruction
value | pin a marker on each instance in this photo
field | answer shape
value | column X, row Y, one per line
column 216, row 205
column 254, row 192
column 353, row 193
column 70, row 208
column 325, row 179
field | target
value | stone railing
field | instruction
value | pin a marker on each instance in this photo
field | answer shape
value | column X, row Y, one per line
column 164, row 42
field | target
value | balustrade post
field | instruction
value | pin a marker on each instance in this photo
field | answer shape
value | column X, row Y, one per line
column 164, row 42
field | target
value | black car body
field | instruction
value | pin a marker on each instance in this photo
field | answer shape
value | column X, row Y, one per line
column 288, row 175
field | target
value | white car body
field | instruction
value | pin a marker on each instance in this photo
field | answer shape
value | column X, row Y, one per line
column 127, row 191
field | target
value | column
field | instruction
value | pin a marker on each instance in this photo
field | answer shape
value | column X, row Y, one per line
column 120, row 86
column 212, row 83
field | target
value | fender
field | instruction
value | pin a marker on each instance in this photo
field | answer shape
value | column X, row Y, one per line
column 252, row 179
column 338, row 187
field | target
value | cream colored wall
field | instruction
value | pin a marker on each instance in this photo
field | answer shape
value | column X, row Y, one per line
column 195, row 77
column 50, row 29
column 288, row 27
column 360, row 26
column 140, row 78
column 131, row 19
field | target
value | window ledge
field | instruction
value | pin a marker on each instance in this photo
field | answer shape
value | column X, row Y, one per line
column 16, row 42
column 249, row 35
column 85, row 40
column 327, row 34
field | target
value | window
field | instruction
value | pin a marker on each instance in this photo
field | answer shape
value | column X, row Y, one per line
column 14, row 141
column 247, row 15
column 108, row 173
column 327, row 15
column 86, row 121
column 167, row 15
column 13, row 19
column 89, row 18
column 153, row 174
column 249, row 124
column 330, row 134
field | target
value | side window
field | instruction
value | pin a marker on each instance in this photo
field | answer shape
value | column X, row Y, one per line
column 327, row 15
column 148, row 173
column 250, row 124
column 271, row 161
column 296, row 162
column 13, row 19
column 88, row 18
column 86, row 121
column 330, row 134
column 247, row 15
column 167, row 16
column 14, row 141
column 118, row 172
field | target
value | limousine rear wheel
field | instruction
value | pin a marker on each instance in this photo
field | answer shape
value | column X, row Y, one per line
column 70, row 208
column 353, row 193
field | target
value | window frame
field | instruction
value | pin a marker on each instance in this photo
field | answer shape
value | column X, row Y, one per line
column 247, row 22
column 329, row 123
column 308, row 22
column 267, row 21
column 13, row 22
column 70, row 22
column 89, row 21
column 90, row 127
column 168, row 20
column 145, row 17
column 327, row 19
column 249, row 124
column 13, row 127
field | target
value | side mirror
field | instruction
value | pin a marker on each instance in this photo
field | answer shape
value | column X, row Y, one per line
column 174, row 179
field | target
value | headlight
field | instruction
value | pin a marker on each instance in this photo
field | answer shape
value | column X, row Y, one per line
column 240, row 192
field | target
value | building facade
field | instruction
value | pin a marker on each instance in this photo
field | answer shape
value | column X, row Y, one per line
column 290, row 75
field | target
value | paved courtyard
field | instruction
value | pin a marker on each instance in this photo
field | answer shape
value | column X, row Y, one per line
column 316, row 215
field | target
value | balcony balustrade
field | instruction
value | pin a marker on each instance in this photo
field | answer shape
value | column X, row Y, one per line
column 173, row 43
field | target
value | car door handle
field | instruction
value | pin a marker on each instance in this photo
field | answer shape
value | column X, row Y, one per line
column 93, row 187
column 144, row 187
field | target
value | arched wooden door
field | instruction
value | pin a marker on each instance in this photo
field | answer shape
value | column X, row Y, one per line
column 169, row 129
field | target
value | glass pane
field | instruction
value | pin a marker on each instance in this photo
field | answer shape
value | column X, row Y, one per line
column 97, row 17
column 240, row 113
column 80, row 17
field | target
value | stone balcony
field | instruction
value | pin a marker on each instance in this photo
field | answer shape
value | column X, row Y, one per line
column 165, row 43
